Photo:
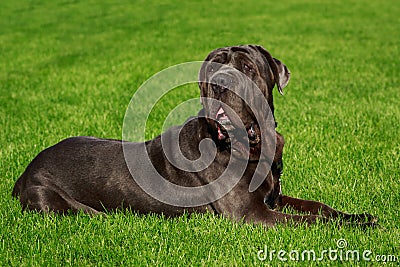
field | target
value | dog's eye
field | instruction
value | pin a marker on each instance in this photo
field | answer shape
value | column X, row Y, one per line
column 247, row 68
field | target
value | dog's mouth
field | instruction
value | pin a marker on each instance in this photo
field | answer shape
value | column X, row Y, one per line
column 228, row 134
column 224, row 124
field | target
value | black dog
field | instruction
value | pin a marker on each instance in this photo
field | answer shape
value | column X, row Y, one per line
column 91, row 175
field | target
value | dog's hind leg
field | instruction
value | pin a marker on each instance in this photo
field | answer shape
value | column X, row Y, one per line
column 49, row 199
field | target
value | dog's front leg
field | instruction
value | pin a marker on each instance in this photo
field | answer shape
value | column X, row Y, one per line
column 262, row 214
column 318, row 208
column 309, row 206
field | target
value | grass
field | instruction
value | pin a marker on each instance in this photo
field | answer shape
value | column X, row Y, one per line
column 70, row 68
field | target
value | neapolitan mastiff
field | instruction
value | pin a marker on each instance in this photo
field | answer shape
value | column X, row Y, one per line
column 91, row 175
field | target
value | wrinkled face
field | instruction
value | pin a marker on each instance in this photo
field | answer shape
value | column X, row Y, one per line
column 241, row 80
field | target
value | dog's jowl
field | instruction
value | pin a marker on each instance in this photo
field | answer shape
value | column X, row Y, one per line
column 92, row 175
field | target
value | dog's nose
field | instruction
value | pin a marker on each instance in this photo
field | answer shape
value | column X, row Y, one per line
column 220, row 83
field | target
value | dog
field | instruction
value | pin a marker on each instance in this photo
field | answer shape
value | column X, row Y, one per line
column 92, row 175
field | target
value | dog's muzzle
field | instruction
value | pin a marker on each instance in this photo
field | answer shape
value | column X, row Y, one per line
column 225, row 127
column 221, row 82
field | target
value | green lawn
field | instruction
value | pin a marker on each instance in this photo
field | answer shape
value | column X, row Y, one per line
column 70, row 68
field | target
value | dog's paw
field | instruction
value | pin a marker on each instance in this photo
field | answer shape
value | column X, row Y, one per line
column 362, row 218
column 367, row 218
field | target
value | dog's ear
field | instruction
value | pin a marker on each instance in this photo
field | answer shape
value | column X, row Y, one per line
column 283, row 75
column 279, row 70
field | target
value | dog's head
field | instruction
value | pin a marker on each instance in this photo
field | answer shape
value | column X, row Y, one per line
column 231, row 75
